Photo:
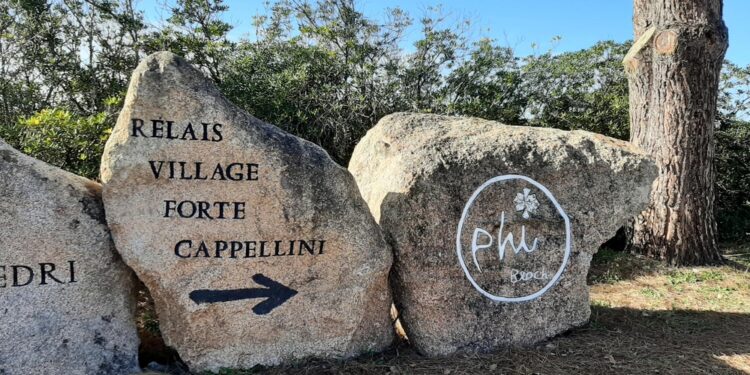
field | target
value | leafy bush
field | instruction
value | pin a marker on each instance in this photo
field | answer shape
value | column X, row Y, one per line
column 585, row 90
column 297, row 88
column 733, row 182
column 71, row 142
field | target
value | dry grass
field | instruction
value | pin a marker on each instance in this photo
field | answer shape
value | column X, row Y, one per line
column 646, row 319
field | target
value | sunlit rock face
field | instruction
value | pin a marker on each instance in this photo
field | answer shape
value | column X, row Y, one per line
column 255, row 245
column 492, row 226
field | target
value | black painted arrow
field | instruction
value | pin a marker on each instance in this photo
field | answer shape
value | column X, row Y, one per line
column 275, row 294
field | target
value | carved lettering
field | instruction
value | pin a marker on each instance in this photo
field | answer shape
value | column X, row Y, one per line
column 183, row 170
column 167, row 129
column 45, row 273
column 204, row 210
column 247, row 249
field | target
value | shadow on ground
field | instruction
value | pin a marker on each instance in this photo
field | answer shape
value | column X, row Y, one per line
column 617, row 340
column 611, row 265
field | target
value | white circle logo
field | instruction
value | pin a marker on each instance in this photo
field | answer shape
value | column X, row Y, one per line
column 513, row 240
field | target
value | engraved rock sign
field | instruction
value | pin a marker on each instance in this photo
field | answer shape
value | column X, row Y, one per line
column 201, row 196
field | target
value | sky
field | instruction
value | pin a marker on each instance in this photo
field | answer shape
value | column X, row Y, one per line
column 520, row 24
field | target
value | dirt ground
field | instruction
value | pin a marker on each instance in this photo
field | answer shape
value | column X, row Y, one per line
column 646, row 319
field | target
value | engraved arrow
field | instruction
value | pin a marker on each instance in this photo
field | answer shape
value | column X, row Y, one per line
column 275, row 294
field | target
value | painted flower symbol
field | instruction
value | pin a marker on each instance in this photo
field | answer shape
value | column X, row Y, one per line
column 526, row 202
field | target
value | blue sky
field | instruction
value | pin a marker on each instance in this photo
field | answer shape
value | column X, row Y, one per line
column 514, row 23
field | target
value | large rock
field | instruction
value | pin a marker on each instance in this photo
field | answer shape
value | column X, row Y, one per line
column 67, row 301
column 255, row 245
column 493, row 227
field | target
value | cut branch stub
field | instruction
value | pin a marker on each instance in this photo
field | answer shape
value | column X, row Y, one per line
column 666, row 42
column 629, row 61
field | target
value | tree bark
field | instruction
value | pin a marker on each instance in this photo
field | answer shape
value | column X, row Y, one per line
column 673, row 82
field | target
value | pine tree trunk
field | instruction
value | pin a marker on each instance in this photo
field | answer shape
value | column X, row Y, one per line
column 673, row 82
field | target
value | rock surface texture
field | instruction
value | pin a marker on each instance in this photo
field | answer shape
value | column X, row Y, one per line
column 492, row 226
column 66, row 299
column 255, row 245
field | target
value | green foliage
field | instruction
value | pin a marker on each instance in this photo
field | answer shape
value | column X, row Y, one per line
column 606, row 255
column 422, row 73
column 292, row 86
column 196, row 32
column 651, row 293
column 71, row 142
column 584, row 90
column 682, row 277
column 732, row 158
column 329, row 82
column 69, row 54
column 61, row 64
column 487, row 85
column 677, row 277
column 323, row 71
column 327, row 73
column 734, row 94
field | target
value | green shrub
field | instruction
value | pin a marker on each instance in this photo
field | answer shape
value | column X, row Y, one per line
column 71, row 142
column 733, row 182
